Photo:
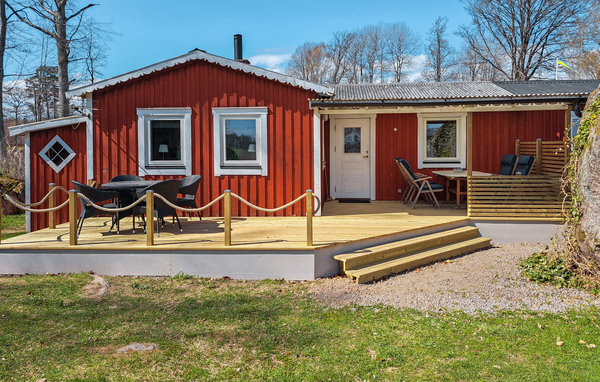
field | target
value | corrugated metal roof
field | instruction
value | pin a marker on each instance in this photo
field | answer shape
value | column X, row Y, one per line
column 462, row 90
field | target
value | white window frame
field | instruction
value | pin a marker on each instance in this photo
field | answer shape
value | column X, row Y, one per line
column 255, row 167
column 49, row 161
column 461, row 137
column 148, row 167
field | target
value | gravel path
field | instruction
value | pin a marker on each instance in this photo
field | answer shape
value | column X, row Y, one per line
column 485, row 281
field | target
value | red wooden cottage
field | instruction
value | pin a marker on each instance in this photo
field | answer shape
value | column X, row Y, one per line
column 173, row 118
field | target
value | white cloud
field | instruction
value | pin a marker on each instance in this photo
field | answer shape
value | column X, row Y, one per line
column 274, row 62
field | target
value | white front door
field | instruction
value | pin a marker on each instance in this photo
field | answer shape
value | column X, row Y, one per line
column 352, row 158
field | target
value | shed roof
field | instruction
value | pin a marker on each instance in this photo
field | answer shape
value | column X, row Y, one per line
column 45, row 125
column 201, row 55
column 459, row 92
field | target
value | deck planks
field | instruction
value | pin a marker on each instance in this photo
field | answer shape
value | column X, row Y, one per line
column 340, row 223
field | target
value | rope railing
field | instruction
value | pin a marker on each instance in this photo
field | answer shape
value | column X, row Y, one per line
column 149, row 200
column 29, row 209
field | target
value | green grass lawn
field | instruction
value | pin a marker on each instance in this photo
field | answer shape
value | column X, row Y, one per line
column 13, row 225
column 230, row 330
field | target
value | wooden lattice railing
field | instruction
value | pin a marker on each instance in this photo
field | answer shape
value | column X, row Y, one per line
column 515, row 197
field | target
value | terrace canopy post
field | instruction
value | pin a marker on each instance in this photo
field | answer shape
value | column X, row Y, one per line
column 0, row 218
column 51, row 204
column 469, row 159
column 309, row 216
column 227, row 213
column 149, row 218
column 72, row 217
column 538, row 156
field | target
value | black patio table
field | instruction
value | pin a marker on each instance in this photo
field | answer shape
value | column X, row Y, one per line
column 128, row 185
column 126, row 190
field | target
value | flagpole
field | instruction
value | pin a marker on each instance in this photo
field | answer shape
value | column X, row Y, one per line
column 556, row 70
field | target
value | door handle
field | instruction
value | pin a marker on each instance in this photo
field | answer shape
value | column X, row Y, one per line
column 366, row 156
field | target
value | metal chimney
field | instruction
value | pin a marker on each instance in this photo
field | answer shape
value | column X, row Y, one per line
column 237, row 47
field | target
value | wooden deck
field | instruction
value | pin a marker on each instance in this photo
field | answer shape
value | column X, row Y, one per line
column 341, row 223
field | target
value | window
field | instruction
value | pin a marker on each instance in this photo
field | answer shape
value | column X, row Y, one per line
column 442, row 140
column 57, row 153
column 164, row 141
column 351, row 140
column 240, row 141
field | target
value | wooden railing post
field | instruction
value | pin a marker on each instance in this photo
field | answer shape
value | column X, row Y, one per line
column 72, row 217
column 227, row 213
column 309, row 216
column 51, row 204
column 538, row 155
column 518, row 147
column 149, row 218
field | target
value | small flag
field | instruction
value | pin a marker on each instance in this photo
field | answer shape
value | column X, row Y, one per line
column 566, row 66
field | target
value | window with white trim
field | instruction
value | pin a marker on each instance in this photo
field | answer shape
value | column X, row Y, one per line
column 442, row 140
column 240, row 141
column 57, row 153
column 164, row 141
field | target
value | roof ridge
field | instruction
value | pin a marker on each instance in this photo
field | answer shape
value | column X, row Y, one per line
column 200, row 55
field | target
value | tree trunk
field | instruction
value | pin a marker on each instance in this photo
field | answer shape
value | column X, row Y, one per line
column 589, row 183
column 62, row 48
column 3, row 27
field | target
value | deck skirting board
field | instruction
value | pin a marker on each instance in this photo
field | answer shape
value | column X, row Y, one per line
column 249, row 265
column 507, row 232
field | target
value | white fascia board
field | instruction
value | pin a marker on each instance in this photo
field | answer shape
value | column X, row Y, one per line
column 199, row 55
column 45, row 125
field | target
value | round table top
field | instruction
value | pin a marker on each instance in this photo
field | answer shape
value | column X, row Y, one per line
column 128, row 185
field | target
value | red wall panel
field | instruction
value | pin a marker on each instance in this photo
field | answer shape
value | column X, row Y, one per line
column 42, row 174
column 494, row 135
column 202, row 86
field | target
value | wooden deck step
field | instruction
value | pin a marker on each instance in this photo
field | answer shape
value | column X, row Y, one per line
column 384, row 268
column 376, row 254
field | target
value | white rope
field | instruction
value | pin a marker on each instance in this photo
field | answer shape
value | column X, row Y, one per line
column 118, row 209
column 268, row 209
column 183, row 209
column 25, row 208
column 43, row 199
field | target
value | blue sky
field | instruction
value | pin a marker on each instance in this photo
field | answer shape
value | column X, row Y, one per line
column 150, row 31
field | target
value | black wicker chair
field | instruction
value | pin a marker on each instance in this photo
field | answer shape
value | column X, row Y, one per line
column 96, row 196
column 168, row 189
column 189, row 188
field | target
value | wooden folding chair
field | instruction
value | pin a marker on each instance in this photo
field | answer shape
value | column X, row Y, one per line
column 417, row 185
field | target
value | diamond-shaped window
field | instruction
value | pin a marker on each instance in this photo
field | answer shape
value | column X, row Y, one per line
column 57, row 153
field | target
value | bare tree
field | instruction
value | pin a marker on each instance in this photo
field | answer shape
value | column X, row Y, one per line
column 529, row 33
column 374, row 48
column 356, row 60
column 583, row 51
column 16, row 100
column 440, row 55
column 338, row 52
column 65, row 21
column 308, row 62
column 3, row 30
column 89, row 50
column 472, row 68
column 402, row 45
